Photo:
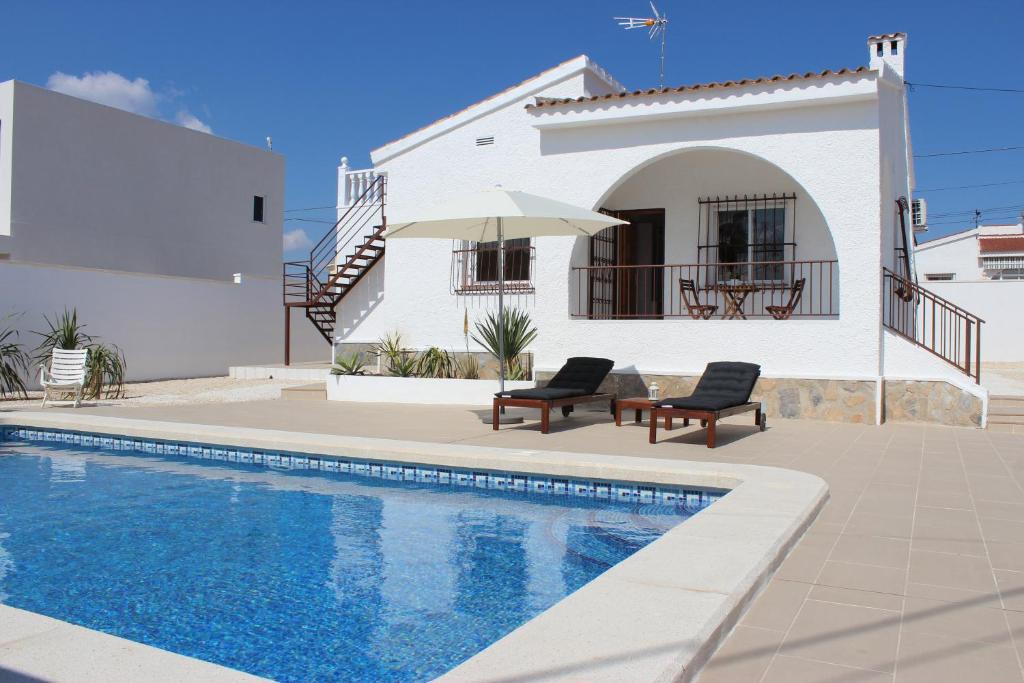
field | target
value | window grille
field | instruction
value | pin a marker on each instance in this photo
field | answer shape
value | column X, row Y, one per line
column 746, row 238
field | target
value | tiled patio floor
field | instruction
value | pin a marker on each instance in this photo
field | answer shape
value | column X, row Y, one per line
column 914, row 571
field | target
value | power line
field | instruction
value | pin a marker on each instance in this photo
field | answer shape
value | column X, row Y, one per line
column 962, row 87
column 969, row 151
column 311, row 220
column 967, row 187
column 311, row 208
column 947, row 214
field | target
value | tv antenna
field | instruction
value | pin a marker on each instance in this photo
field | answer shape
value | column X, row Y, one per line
column 656, row 26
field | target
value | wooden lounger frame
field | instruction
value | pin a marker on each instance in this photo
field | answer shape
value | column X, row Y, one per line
column 708, row 418
column 545, row 406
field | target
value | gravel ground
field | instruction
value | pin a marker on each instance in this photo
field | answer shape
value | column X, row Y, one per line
column 179, row 392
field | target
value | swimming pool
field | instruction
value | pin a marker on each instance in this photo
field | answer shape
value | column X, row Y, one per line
column 298, row 574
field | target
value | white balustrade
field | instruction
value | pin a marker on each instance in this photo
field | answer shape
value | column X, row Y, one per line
column 353, row 183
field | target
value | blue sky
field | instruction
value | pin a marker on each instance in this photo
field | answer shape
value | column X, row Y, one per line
column 340, row 78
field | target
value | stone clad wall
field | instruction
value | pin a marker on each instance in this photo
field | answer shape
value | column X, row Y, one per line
column 815, row 399
column 934, row 402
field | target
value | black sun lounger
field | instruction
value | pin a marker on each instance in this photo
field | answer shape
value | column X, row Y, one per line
column 724, row 389
column 576, row 382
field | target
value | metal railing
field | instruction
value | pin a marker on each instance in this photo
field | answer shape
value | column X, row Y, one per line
column 358, row 222
column 295, row 282
column 475, row 269
column 933, row 323
column 739, row 290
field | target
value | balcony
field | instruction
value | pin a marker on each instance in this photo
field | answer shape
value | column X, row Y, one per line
column 732, row 291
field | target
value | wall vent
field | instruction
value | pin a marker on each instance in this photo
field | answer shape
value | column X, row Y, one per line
column 486, row 140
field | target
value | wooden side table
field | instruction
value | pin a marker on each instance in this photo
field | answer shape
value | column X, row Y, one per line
column 639, row 404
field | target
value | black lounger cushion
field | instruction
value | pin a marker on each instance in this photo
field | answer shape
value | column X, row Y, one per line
column 543, row 394
column 582, row 373
column 723, row 385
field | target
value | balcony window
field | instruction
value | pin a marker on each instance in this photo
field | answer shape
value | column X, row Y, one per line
column 747, row 237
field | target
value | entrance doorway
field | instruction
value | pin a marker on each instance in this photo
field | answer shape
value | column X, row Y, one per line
column 626, row 274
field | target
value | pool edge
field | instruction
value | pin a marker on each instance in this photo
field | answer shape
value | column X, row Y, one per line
column 680, row 610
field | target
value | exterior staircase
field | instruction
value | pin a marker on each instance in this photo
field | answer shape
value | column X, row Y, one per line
column 345, row 254
column 1006, row 413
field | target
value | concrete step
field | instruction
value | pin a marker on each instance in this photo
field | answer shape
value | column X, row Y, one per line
column 1006, row 419
column 307, row 392
column 1006, row 410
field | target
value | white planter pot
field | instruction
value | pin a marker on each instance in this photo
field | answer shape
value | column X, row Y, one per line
column 421, row 390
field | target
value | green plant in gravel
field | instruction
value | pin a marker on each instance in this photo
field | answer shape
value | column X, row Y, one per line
column 13, row 362
column 435, row 362
column 106, row 365
column 349, row 364
column 519, row 333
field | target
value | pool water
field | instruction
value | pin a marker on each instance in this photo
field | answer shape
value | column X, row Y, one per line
column 295, row 575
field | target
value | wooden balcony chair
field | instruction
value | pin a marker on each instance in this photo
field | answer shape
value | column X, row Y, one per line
column 696, row 309
column 786, row 312
column 66, row 374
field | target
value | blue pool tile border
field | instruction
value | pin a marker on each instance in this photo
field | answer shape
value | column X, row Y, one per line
column 689, row 499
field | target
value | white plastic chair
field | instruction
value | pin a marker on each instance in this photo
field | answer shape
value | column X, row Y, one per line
column 66, row 374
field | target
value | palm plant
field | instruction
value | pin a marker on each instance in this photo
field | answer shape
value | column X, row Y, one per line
column 435, row 362
column 105, row 370
column 518, row 333
column 349, row 364
column 13, row 363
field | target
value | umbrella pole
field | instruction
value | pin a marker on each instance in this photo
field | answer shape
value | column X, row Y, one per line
column 501, row 310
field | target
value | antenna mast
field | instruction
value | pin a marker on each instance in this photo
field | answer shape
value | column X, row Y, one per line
column 657, row 26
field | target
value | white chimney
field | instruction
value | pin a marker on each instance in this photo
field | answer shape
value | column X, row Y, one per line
column 889, row 48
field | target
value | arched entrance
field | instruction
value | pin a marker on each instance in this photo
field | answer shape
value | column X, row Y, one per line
column 713, row 233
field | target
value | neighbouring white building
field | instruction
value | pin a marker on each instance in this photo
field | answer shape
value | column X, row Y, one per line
column 745, row 187
column 167, row 241
column 981, row 270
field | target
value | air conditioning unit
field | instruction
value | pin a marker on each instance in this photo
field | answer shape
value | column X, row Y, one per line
column 919, row 215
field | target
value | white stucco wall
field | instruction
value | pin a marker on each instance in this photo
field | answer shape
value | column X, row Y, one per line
column 956, row 254
column 829, row 152
column 98, row 187
column 6, row 135
column 998, row 303
column 166, row 326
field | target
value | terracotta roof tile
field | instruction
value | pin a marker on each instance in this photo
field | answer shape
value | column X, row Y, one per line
column 887, row 36
column 554, row 101
column 994, row 244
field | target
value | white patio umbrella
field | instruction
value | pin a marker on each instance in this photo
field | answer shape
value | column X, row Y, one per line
column 495, row 216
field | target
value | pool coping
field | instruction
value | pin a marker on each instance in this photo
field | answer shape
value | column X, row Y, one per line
column 656, row 616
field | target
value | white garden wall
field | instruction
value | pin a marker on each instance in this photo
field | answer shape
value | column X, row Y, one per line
column 998, row 303
column 166, row 326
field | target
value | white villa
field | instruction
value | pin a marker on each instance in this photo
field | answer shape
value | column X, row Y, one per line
column 745, row 187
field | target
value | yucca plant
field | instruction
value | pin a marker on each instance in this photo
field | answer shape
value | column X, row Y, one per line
column 468, row 367
column 435, row 362
column 519, row 333
column 104, row 372
column 349, row 364
column 403, row 366
column 13, row 363
column 389, row 347
column 105, row 369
